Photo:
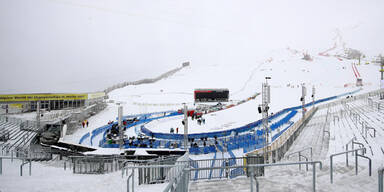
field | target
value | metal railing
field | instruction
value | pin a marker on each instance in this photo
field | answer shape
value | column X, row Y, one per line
column 172, row 174
column 300, row 155
column 313, row 163
column 26, row 156
column 355, row 151
column 132, row 175
column 180, row 183
column 96, row 164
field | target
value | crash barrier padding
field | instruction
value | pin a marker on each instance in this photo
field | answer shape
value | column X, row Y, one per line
column 143, row 118
column 242, row 129
column 219, row 134
column 229, row 132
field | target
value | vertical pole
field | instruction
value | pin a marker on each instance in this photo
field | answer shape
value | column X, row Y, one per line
column 313, row 96
column 266, row 98
column 314, row 176
column 380, row 175
column 303, row 93
column 311, row 154
column 128, row 184
column 30, row 168
column 331, row 169
column 1, row 165
column 356, row 163
column 120, row 116
column 382, row 77
column 346, row 154
column 300, row 161
column 186, row 172
column 186, row 129
column 251, row 179
column 133, row 180
column 38, row 114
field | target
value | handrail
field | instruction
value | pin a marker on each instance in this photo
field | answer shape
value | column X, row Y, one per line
column 132, row 175
column 306, row 159
column 310, row 148
column 359, row 144
column 370, row 128
column 313, row 163
column 21, row 167
column 356, row 161
column 180, row 181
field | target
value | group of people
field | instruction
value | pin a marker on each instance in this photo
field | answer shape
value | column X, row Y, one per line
column 85, row 123
column 203, row 140
column 172, row 131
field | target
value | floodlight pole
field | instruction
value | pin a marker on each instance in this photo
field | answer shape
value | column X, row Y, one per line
column 313, row 96
column 186, row 129
column 121, row 133
column 303, row 94
column 266, row 98
column 382, row 76
column 38, row 113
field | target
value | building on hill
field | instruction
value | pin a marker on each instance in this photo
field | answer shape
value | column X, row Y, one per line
column 17, row 103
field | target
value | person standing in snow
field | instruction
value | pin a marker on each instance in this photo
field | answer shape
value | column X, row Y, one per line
column 87, row 123
column 83, row 124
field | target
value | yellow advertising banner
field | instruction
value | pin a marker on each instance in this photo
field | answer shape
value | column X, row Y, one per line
column 16, row 105
column 42, row 97
column 96, row 95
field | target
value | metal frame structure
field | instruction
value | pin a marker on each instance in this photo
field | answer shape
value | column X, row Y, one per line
column 355, row 151
column 251, row 167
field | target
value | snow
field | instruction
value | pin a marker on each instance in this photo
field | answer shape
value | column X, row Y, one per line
column 50, row 177
column 232, row 45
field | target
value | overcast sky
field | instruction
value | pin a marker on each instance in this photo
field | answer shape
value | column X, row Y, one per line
column 88, row 45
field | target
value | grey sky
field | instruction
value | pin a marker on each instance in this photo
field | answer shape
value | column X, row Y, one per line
column 84, row 45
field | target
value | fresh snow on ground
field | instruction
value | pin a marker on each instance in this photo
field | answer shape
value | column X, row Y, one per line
column 230, row 44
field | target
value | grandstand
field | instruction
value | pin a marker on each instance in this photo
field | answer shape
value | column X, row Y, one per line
column 17, row 134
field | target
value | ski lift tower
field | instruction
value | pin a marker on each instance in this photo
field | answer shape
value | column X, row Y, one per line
column 263, row 108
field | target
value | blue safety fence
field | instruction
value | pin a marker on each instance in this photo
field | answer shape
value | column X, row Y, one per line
column 245, row 141
column 249, row 145
column 212, row 165
column 143, row 119
column 195, row 165
column 242, row 129
column 281, row 132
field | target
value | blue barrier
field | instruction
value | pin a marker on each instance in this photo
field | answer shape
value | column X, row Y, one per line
column 245, row 128
column 212, row 165
column 235, row 143
column 84, row 137
column 195, row 165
